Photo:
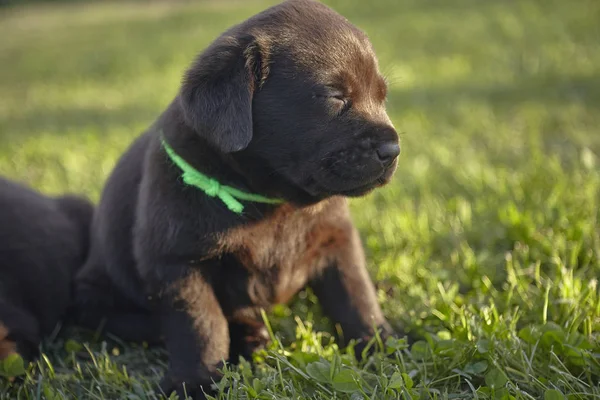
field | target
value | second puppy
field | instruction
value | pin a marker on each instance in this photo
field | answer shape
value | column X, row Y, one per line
column 43, row 242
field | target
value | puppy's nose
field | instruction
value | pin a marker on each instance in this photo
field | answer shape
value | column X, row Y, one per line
column 388, row 151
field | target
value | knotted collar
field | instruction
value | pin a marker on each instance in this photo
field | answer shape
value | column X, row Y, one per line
column 228, row 195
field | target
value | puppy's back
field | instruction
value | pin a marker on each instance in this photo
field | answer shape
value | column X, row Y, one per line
column 32, row 225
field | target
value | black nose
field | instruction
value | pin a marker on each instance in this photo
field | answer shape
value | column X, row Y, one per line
column 388, row 151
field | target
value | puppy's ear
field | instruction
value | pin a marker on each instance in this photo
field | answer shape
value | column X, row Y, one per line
column 216, row 95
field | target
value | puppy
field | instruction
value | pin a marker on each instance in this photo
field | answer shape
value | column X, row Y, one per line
column 43, row 241
column 234, row 199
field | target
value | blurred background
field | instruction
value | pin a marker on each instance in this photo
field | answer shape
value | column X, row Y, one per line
column 493, row 213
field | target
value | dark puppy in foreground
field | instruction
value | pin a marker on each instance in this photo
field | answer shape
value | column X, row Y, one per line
column 43, row 241
column 235, row 198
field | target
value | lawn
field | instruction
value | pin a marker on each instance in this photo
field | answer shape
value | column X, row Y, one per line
column 486, row 246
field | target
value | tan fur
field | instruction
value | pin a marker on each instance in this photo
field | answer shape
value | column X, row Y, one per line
column 199, row 300
column 298, row 242
column 350, row 257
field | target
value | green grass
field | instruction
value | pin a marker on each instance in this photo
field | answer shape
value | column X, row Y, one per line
column 486, row 245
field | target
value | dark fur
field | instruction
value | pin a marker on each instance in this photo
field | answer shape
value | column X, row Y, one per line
column 43, row 241
column 288, row 104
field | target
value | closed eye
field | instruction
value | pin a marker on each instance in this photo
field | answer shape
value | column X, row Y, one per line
column 346, row 103
column 337, row 96
column 342, row 99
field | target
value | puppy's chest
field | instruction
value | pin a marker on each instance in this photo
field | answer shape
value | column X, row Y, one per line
column 283, row 251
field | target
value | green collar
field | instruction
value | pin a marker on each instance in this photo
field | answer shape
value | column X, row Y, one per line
column 228, row 195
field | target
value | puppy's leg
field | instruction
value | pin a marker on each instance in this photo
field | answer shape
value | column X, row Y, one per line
column 347, row 294
column 247, row 334
column 99, row 306
column 196, row 335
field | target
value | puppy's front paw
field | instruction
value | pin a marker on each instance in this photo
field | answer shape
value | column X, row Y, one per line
column 246, row 339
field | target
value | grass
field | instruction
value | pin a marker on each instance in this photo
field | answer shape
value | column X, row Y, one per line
column 486, row 245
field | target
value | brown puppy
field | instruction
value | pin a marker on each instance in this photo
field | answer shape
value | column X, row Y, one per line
column 43, row 241
column 288, row 105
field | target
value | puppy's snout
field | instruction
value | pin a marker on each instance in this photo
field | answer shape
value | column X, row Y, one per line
column 388, row 152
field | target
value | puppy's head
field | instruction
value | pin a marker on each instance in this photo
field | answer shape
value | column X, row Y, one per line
column 294, row 96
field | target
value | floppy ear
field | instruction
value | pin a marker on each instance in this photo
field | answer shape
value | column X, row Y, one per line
column 216, row 95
